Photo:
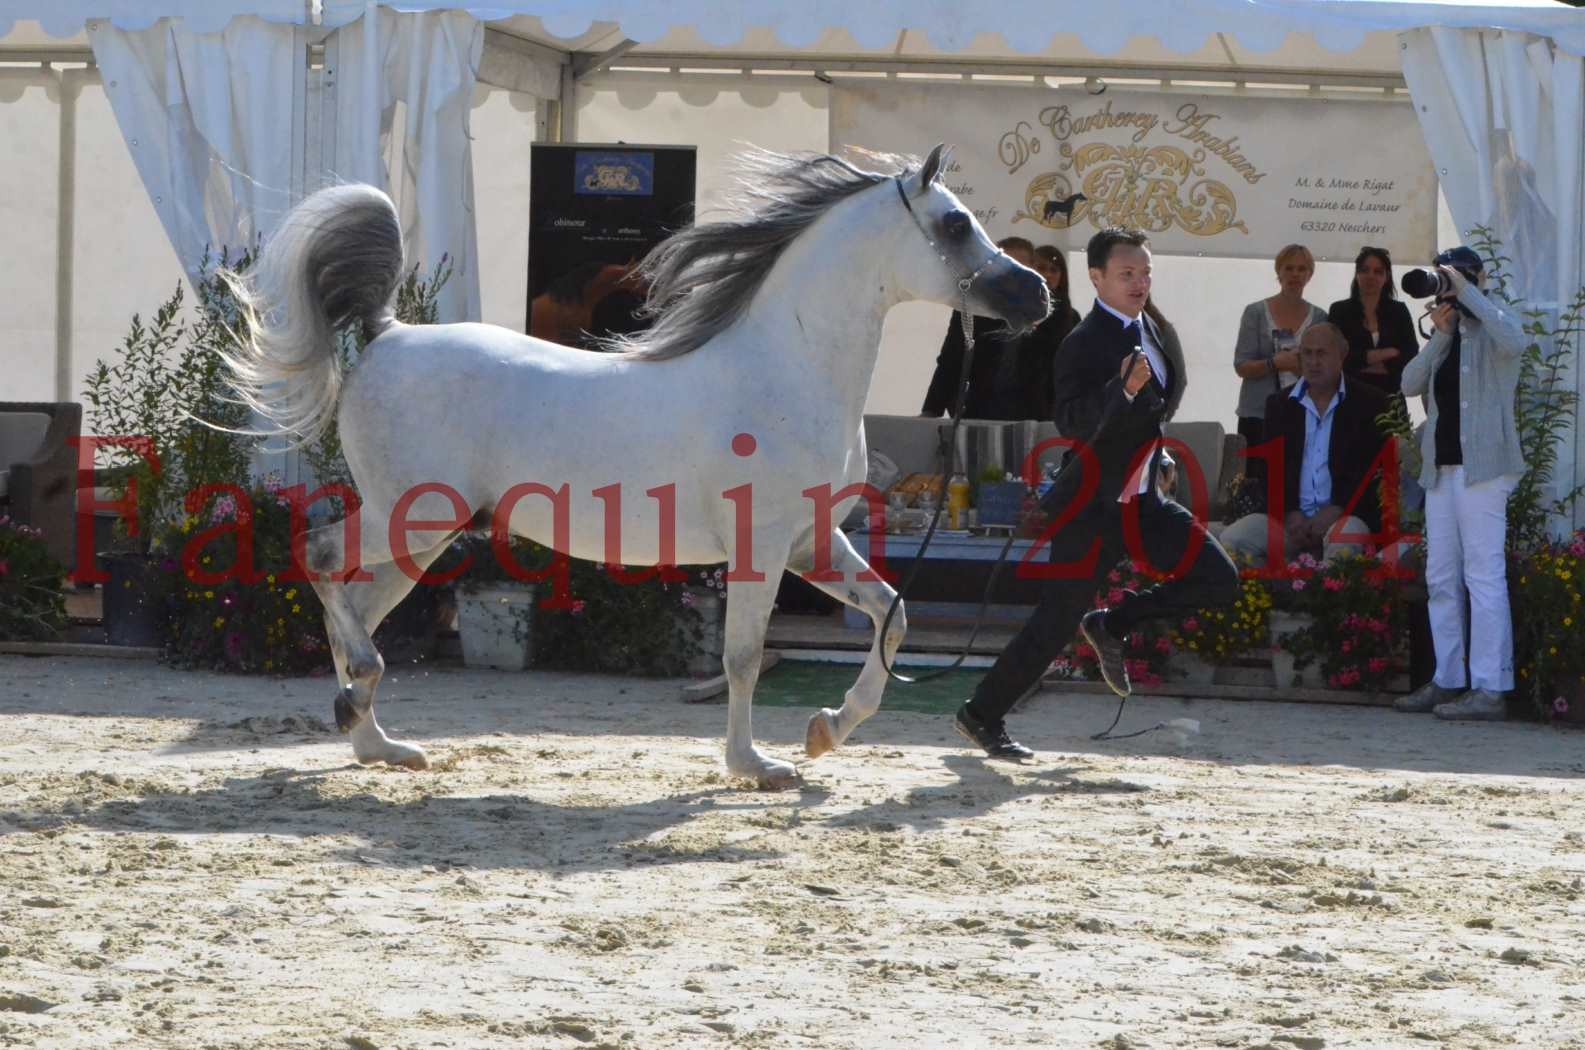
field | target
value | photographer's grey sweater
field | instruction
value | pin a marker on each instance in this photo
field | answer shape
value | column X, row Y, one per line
column 1492, row 345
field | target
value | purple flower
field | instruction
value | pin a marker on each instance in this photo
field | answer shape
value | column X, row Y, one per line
column 1298, row 585
column 234, row 647
column 687, row 598
column 1560, row 706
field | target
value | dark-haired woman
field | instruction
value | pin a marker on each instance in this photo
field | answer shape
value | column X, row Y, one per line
column 1379, row 330
column 1037, row 352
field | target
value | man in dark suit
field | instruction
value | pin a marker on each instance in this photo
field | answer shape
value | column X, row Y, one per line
column 1329, row 444
column 1116, row 386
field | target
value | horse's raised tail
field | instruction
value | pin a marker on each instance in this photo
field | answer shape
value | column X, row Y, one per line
column 335, row 259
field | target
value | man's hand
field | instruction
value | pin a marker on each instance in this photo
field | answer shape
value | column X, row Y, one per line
column 1296, row 530
column 1135, row 373
column 1445, row 317
column 1322, row 520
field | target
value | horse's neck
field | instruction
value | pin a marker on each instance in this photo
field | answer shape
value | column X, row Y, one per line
column 829, row 294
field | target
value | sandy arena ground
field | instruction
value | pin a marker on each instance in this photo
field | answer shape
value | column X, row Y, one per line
column 190, row 861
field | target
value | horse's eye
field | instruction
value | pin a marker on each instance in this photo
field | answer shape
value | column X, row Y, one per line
column 956, row 223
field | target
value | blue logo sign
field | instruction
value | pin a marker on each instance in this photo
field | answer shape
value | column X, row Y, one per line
column 612, row 173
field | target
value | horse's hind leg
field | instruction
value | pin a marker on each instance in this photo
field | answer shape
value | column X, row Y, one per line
column 352, row 610
column 828, row 728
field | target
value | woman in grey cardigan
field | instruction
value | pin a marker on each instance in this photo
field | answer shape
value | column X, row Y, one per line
column 1471, row 461
column 1265, row 356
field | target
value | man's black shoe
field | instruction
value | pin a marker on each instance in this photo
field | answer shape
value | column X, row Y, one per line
column 1108, row 651
column 993, row 738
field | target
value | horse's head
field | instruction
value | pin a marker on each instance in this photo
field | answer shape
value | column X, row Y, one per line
column 955, row 249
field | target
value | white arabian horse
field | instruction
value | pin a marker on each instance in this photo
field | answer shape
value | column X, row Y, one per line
column 748, row 391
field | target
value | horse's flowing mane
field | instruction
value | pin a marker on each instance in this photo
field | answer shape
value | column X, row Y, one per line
column 703, row 277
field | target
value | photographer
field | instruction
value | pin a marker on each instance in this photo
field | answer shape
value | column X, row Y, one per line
column 1470, row 450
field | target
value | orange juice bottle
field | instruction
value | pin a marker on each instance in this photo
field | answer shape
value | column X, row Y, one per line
column 957, row 501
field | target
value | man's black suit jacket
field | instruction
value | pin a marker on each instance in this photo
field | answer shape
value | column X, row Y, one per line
column 1087, row 385
column 1356, row 440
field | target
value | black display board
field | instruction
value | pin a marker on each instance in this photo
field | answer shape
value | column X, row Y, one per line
column 594, row 212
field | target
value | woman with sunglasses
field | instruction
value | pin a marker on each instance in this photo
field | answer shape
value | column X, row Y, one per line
column 1379, row 330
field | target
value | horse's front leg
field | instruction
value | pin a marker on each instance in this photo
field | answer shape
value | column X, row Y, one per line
column 856, row 585
column 748, row 609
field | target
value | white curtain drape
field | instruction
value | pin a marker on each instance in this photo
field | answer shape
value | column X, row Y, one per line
column 428, row 63
column 1502, row 114
column 1504, row 118
column 208, row 120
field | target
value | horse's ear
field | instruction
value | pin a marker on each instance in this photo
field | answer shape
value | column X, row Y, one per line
column 933, row 164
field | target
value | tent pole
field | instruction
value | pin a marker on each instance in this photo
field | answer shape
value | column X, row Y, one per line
column 66, row 227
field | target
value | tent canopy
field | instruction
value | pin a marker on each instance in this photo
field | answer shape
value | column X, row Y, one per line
column 1315, row 34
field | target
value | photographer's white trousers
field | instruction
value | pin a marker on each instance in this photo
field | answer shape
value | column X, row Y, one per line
column 1466, row 530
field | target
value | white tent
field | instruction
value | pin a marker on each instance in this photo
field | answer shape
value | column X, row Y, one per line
column 229, row 110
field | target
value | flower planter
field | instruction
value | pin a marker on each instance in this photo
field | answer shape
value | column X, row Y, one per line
column 495, row 623
column 705, row 661
column 1193, row 669
column 133, row 613
column 1282, row 624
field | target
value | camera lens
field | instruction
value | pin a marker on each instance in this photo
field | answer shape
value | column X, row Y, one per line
column 1422, row 284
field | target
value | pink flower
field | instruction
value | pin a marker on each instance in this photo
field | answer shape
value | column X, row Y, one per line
column 687, row 599
column 1114, row 577
column 1191, row 624
column 1114, row 596
column 1347, row 645
column 5, row 569
column 1308, row 561
column 1163, row 645
column 1331, row 583
column 1083, row 651
column 577, row 607
column 1560, row 706
column 1378, row 665
column 225, row 509
column 1298, row 585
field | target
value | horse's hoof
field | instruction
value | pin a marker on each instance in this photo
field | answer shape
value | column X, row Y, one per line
column 417, row 761
column 820, row 737
column 346, row 716
column 780, row 779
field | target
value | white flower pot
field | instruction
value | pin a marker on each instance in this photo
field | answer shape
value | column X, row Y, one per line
column 1193, row 669
column 1280, row 625
column 496, row 624
column 706, row 662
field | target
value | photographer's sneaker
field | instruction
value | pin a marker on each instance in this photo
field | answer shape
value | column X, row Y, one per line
column 1109, row 651
column 1477, row 705
column 1427, row 697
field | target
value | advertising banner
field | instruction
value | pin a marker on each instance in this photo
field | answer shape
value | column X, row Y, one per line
column 1203, row 174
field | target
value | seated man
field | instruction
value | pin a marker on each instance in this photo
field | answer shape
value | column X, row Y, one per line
column 1328, row 440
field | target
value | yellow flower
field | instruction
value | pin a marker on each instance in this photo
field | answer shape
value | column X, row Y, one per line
column 270, row 579
column 220, row 621
column 1568, row 621
column 297, row 608
column 209, row 594
column 291, row 593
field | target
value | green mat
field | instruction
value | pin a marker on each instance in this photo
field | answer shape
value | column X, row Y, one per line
column 811, row 685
